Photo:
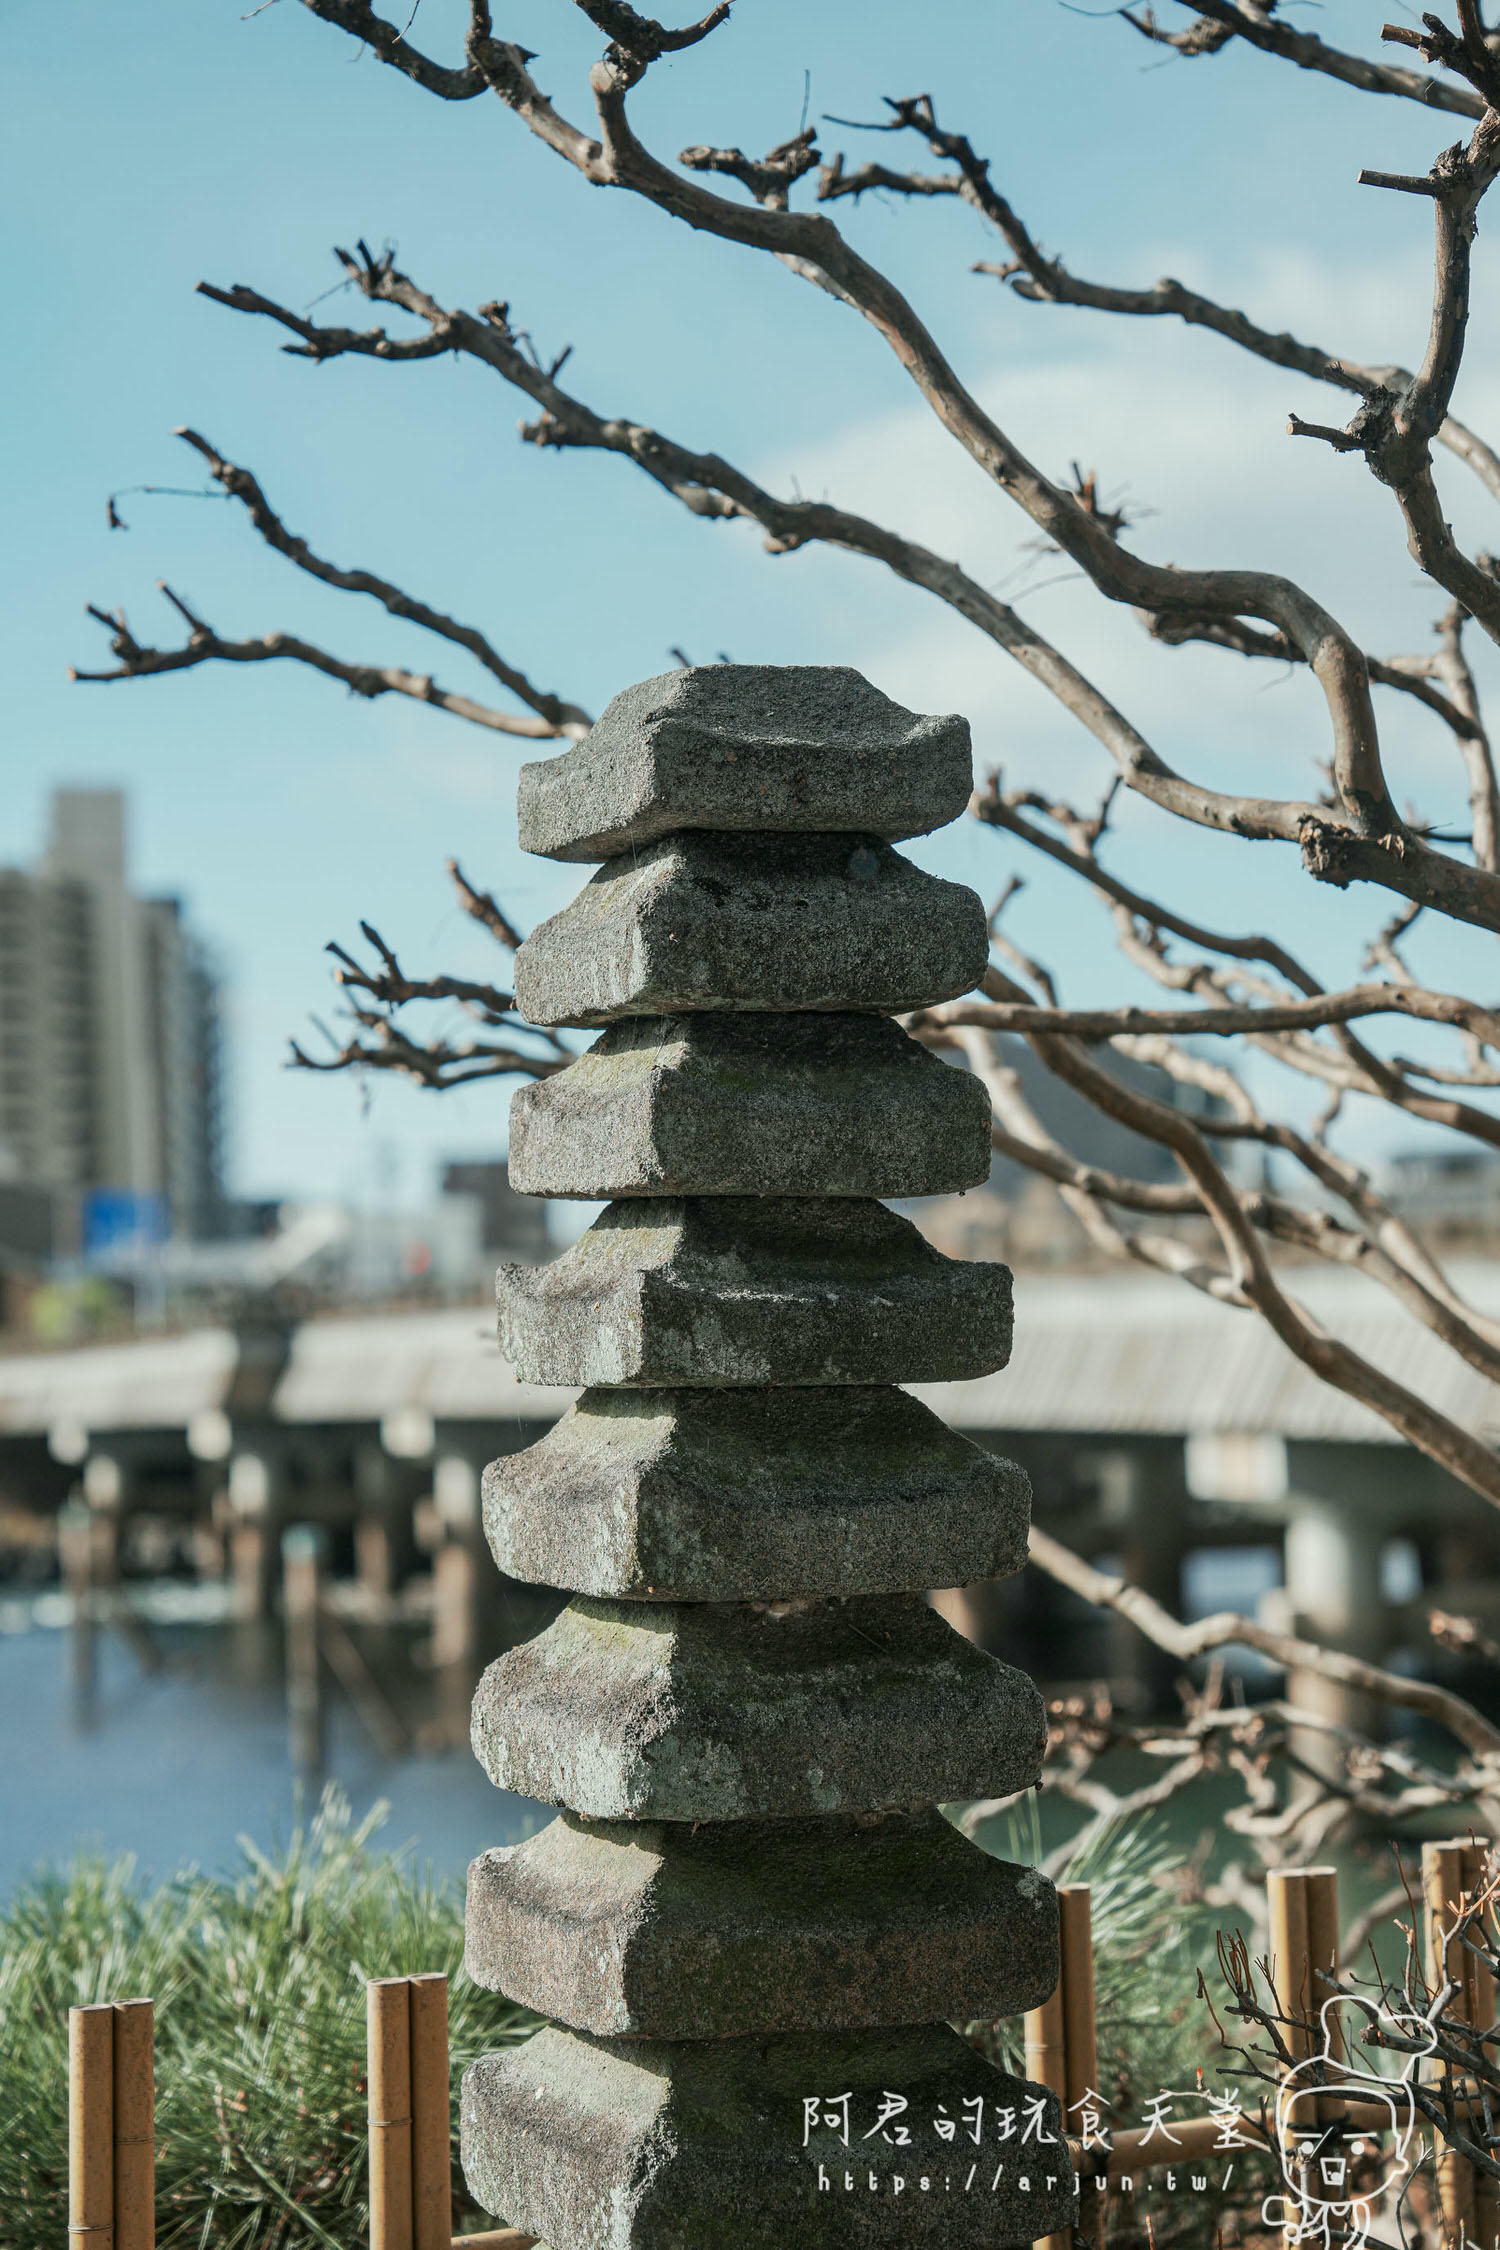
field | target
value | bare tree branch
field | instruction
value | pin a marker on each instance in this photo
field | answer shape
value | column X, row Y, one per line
column 1412, row 676
column 562, row 719
column 1226, row 1628
column 379, row 1043
column 1207, row 1227
column 1358, row 1068
column 1335, row 1362
column 771, row 178
column 1291, row 1015
column 1452, row 668
column 1367, row 827
column 1394, row 432
column 392, row 987
column 1222, row 20
column 1377, row 1246
column 1045, row 280
column 484, row 909
column 1334, row 848
column 391, row 46
column 441, row 1065
column 204, row 646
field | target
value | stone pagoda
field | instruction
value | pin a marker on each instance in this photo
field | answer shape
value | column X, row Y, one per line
column 749, row 1925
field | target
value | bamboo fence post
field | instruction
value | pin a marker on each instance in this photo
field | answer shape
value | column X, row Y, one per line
column 1046, row 2065
column 134, row 2125
column 1321, row 1887
column 431, row 2116
column 1080, row 2029
column 1080, row 2033
column 1445, row 1871
column 1044, row 2044
column 1482, row 2016
column 1291, row 1982
column 91, row 2125
column 1442, row 1888
column 388, row 2025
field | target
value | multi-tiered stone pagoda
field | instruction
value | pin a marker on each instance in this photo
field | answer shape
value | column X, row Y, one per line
column 749, row 1925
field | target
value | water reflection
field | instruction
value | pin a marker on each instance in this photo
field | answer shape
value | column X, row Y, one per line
column 177, row 1762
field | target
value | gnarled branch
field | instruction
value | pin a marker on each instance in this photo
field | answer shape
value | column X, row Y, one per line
column 138, row 661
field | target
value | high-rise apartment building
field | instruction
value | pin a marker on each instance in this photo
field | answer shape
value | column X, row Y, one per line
column 110, row 1074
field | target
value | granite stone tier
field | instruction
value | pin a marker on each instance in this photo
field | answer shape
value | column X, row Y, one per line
column 747, row 746
column 724, row 1290
column 749, row 1928
column 751, row 1105
column 692, row 1711
column 770, row 923
column 638, row 2144
column 700, row 1930
column 754, row 1495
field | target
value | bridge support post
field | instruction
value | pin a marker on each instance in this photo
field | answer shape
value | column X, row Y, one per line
column 254, row 1489
column 1333, row 1552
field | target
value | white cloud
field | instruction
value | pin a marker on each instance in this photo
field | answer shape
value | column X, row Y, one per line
column 1185, row 426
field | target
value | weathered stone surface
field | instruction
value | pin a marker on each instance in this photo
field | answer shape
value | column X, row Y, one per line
column 731, row 1290
column 683, row 1931
column 651, row 1711
column 748, row 1710
column 736, row 746
column 779, row 923
column 646, row 2145
column 754, row 1495
column 751, row 1105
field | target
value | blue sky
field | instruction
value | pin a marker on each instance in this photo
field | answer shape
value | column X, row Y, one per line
column 153, row 148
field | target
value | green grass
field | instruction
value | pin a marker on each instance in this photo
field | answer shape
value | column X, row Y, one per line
column 260, row 2027
column 260, row 2030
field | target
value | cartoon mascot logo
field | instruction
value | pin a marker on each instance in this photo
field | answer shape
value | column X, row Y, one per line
column 1374, row 2145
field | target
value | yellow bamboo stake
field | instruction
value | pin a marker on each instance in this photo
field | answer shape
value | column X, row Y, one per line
column 1291, row 1979
column 135, row 2125
column 1481, row 1981
column 1286, row 1897
column 1442, row 1888
column 1046, row 2065
column 1080, row 2034
column 1321, row 1888
column 91, row 2127
column 431, row 2116
column 388, row 2028
column 1322, row 1893
column 1482, row 2016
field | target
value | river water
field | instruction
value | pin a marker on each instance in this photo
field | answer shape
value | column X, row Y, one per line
column 174, row 1764
column 177, row 1763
